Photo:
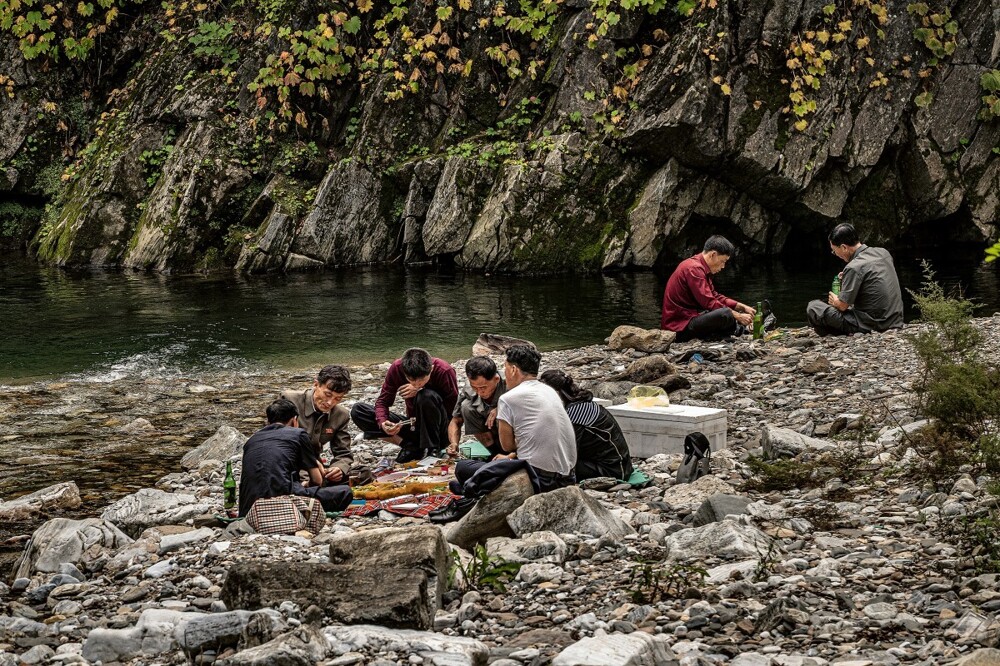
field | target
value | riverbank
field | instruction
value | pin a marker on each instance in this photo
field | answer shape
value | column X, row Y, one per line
column 858, row 569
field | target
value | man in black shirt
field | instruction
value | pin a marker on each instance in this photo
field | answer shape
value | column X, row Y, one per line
column 273, row 456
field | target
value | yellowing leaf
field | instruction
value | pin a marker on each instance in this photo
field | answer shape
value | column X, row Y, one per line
column 726, row 90
column 802, row 125
column 862, row 42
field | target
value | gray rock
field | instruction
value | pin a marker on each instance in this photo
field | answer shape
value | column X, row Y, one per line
column 153, row 634
column 150, row 507
column 69, row 569
column 567, row 510
column 981, row 657
column 646, row 369
column 727, row 539
column 880, row 611
column 37, row 655
column 399, row 598
column 534, row 547
column 693, row 495
column 786, row 443
column 537, row 572
column 216, row 631
column 491, row 343
column 489, row 517
column 896, row 435
column 599, row 483
column 62, row 540
column 635, row 649
column 717, row 507
column 223, row 445
column 303, row 646
column 172, row 542
column 378, row 639
column 420, row 547
column 53, row 498
column 652, row 341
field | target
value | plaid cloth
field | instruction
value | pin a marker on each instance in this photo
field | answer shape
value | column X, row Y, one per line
column 286, row 515
column 427, row 504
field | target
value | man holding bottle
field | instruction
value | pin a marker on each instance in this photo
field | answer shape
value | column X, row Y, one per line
column 869, row 297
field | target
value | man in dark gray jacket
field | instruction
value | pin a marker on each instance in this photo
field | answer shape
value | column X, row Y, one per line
column 869, row 299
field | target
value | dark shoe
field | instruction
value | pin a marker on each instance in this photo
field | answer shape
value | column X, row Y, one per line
column 453, row 511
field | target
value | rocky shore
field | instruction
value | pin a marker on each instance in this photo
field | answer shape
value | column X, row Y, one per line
column 858, row 565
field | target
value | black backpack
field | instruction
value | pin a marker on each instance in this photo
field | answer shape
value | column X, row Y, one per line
column 697, row 458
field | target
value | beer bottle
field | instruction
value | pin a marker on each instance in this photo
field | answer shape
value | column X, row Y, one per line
column 758, row 323
column 229, row 488
column 835, row 287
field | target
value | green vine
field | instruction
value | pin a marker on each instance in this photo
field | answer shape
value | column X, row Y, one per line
column 56, row 30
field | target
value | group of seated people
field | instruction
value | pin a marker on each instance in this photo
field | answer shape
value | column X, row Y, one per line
column 546, row 425
column 869, row 298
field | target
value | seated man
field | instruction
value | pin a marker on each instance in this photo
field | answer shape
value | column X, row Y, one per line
column 692, row 307
column 321, row 415
column 533, row 426
column 429, row 387
column 477, row 406
column 601, row 449
column 273, row 457
column 869, row 300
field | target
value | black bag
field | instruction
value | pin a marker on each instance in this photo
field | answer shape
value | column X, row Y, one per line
column 697, row 458
column 770, row 319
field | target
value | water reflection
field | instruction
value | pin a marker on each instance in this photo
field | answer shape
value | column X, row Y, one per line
column 110, row 325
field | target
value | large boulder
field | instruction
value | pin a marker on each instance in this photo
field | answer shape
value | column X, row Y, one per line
column 150, row 507
column 489, row 517
column 60, row 496
column 491, row 343
column 421, row 547
column 981, row 657
column 651, row 341
column 223, row 445
column 635, row 649
column 567, row 510
column 160, row 630
column 62, row 540
column 646, row 369
column 726, row 539
column 376, row 641
column 390, row 597
column 303, row 646
column 786, row 443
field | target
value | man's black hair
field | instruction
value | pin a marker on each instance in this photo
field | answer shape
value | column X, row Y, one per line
column 524, row 357
column 480, row 366
column 281, row 411
column 337, row 378
column 416, row 363
column 720, row 244
column 844, row 234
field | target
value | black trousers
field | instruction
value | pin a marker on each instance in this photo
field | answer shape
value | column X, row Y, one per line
column 711, row 325
column 427, row 437
column 501, row 469
column 333, row 498
column 828, row 320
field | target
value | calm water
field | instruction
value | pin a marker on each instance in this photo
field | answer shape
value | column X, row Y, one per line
column 107, row 324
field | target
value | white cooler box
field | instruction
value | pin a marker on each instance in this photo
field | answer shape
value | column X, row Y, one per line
column 655, row 430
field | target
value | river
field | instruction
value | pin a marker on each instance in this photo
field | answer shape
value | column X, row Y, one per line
column 86, row 353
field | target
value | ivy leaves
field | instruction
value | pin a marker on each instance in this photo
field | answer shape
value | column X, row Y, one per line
column 57, row 30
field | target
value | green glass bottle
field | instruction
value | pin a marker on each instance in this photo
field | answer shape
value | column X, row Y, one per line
column 758, row 323
column 835, row 287
column 229, row 488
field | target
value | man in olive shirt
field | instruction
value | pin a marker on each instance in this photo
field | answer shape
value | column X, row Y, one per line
column 321, row 415
column 869, row 299
column 477, row 406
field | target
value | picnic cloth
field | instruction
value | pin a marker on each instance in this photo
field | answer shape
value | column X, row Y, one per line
column 425, row 504
column 475, row 450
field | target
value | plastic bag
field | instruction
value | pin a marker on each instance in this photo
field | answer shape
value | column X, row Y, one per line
column 697, row 458
column 644, row 396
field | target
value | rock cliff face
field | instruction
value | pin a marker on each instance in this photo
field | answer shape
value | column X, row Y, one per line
column 585, row 136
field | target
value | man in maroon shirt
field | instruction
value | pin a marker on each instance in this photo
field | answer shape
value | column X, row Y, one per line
column 430, row 389
column 692, row 307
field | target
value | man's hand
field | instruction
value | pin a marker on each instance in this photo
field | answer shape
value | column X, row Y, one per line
column 334, row 474
column 743, row 318
column 390, row 428
column 408, row 391
column 509, row 456
column 491, row 418
column 743, row 307
column 835, row 301
column 452, row 449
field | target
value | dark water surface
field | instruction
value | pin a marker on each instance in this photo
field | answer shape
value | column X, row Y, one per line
column 106, row 325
